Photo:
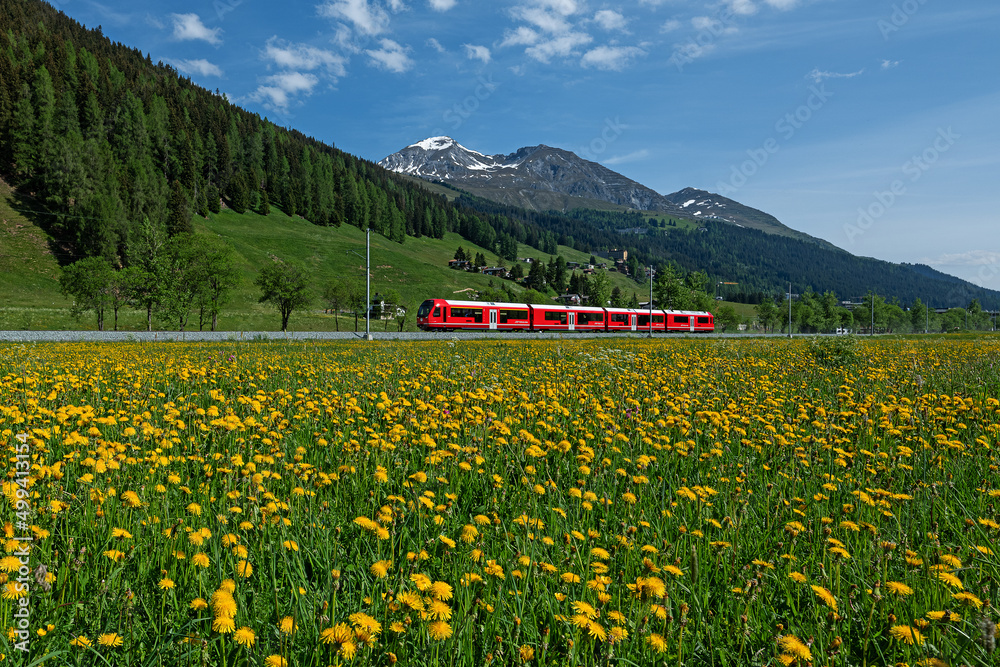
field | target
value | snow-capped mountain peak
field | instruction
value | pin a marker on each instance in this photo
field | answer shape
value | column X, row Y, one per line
column 435, row 144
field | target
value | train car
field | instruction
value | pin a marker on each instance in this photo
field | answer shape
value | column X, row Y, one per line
column 694, row 321
column 567, row 318
column 622, row 319
column 447, row 315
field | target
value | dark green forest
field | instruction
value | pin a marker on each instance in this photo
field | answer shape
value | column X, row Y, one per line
column 102, row 143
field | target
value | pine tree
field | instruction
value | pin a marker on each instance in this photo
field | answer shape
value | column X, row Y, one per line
column 179, row 218
column 264, row 208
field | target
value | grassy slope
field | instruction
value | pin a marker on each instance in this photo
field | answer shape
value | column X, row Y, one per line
column 417, row 269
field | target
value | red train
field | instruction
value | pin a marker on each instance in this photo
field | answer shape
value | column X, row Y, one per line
column 445, row 315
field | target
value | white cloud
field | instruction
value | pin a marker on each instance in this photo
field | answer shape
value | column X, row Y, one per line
column 441, row 5
column 303, row 56
column 613, row 58
column 714, row 26
column 550, row 31
column 436, row 45
column 200, row 66
column 367, row 18
column 742, row 7
column 473, row 52
column 277, row 91
column 889, row 64
column 630, row 157
column 562, row 46
column 610, row 20
column 523, row 36
column 670, row 26
column 396, row 5
column 189, row 27
column 392, row 57
column 819, row 76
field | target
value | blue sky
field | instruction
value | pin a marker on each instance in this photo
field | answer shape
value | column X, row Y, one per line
column 869, row 123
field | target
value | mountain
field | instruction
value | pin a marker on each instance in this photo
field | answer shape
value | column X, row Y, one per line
column 543, row 178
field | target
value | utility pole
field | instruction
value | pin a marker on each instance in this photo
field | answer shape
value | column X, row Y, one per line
column 650, row 302
column 368, row 284
column 873, row 315
column 789, row 310
column 927, row 319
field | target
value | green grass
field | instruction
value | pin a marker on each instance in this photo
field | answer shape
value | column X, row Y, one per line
column 417, row 269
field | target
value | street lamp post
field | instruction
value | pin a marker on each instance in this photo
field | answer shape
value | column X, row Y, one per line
column 650, row 302
column 368, row 282
column 789, row 310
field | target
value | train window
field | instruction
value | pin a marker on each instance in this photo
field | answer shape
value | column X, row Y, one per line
column 425, row 309
column 681, row 319
column 557, row 317
column 704, row 320
column 437, row 312
column 506, row 315
column 476, row 314
column 589, row 318
column 657, row 319
column 619, row 318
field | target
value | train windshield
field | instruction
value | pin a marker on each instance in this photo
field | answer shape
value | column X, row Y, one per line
column 425, row 308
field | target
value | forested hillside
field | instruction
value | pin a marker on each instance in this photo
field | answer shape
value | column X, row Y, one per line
column 97, row 138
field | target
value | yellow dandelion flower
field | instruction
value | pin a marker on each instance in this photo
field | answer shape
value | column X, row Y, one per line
column 365, row 622
column 112, row 639
column 381, row 568
column 898, row 588
column 968, row 599
column 439, row 630
column 275, row 661
column 657, row 642
column 946, row 616
column 223, row 624
column 794, row 646
column 200, row 559
column 245, row 637
column 198, row 604
column 797, row 577
column 526, row 653
column 906, row 634
column 166, row 583
column 441, row 590
column 287, row 625
column 950, row 579
column 114, row 555
column 81, row 642
column 585, row 608
column 244, row 569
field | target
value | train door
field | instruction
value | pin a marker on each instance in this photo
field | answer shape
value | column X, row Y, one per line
column 691, row 323
column 635, row 321
column 572, row 321
column 493, row 319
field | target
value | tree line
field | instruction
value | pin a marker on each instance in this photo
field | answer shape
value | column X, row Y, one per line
column 168, row 278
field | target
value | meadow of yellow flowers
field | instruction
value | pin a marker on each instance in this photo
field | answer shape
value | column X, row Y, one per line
column 615, row 502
